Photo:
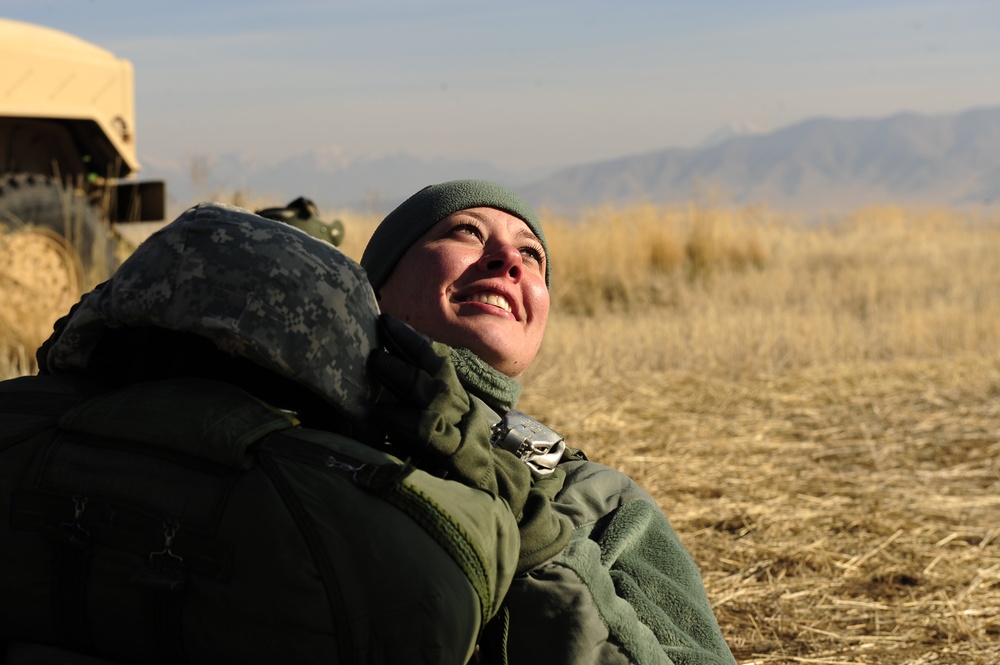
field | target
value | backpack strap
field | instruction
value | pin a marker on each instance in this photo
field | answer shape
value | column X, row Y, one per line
column 200, row 417
column 33, row 403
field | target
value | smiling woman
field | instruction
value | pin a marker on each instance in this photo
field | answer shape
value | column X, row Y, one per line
column 601, row 575
column 481, row 256
column 483, row 287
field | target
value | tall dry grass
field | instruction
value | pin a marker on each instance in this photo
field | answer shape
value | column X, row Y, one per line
column 745, row 292
column 815, row 407
column 817, row 410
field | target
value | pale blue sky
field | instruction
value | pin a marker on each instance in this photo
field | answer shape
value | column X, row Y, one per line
column 522, row 83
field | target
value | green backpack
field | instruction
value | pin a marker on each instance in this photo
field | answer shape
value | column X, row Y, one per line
column 184, row 521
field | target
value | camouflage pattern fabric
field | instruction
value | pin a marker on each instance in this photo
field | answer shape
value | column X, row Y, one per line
column 257, row 288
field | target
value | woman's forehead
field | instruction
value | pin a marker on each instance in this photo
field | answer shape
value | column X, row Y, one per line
column 517, row 226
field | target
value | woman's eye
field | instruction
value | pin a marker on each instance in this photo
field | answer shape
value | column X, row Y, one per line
column 469, row 229
column 532, row 254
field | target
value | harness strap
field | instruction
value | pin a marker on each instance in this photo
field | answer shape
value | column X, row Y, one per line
column 71, row 568
column 492, row 647
column 164, row 578
column 71, row 559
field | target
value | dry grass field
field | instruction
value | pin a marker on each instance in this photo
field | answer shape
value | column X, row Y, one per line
column 815, row 407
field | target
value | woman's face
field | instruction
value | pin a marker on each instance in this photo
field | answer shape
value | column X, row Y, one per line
column 476, row 279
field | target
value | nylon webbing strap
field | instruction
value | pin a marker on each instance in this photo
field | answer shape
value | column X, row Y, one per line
column 71, row 569
column 162, row 606
column 163, row 578
column 70, row 572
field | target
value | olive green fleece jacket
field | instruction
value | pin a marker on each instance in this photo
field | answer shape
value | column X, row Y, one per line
column 622, row 590
column 619, row 587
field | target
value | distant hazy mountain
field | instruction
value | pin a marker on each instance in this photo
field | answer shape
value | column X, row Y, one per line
column 818, row 165
column 729, row 131
column 371, row 184
column 821, row 164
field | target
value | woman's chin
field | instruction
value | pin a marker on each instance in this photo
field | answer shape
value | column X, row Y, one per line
column 493, row 346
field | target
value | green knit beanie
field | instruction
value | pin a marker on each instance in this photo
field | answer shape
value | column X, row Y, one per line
column 413, row 217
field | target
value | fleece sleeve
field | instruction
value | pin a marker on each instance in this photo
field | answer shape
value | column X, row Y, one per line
column 654, row 575
column 624, row 590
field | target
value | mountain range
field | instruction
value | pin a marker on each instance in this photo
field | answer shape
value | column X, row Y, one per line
column 818, row 165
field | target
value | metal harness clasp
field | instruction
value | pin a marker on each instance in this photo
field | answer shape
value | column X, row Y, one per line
column 538, row 446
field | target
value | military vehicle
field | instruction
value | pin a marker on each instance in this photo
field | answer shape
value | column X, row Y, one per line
column 67, row 170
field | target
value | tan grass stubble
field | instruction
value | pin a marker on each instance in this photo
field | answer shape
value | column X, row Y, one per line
column 822, row 427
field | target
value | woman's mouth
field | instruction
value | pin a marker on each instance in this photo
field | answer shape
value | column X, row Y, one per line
column 494, row 299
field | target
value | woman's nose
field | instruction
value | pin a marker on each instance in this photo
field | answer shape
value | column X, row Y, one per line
column 505, row 259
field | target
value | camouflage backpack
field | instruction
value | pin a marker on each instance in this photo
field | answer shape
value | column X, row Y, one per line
column 183, row 519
